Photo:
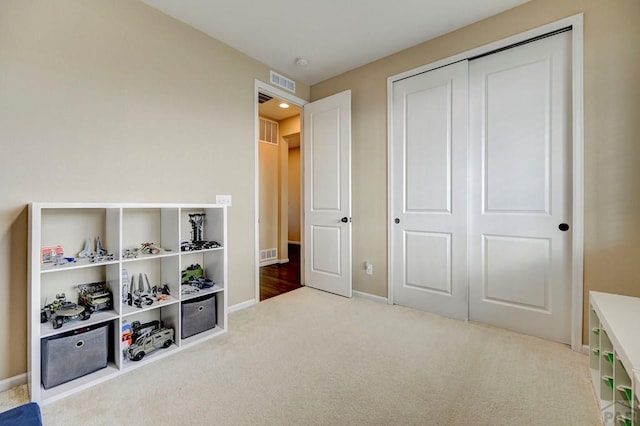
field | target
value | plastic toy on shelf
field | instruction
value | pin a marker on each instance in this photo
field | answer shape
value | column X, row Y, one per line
column 143, row 294
column 60, row 311
column 197, row 231
column 100, row 254
column 193, row 280
column 147, row 338
column 60, row 260
column 95, row 296
column 49, row 254
column 55, row 255
column 145, row 248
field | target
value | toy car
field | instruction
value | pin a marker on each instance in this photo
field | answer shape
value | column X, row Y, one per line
column 160, row 338
column 60, row 311
column 95, row 296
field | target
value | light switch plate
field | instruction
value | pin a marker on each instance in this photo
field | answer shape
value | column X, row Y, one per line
column 225, row 200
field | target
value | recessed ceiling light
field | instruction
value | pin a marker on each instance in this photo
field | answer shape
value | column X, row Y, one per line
column 284, row 105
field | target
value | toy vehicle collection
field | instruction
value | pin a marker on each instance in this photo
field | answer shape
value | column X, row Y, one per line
column 96, row 296
column 60, row 311
column 158, row 338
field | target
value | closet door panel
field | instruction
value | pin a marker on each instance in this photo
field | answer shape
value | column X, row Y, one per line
column 429, row 192
column 520, row 188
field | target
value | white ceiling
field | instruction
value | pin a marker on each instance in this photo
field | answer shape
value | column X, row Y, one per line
column 333, row 35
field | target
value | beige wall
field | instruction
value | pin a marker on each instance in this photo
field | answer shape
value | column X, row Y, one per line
column 289, row 126
column 283, row 199
column 612, row 129
column 294, row 195
column 269, row 181
column 114, row 101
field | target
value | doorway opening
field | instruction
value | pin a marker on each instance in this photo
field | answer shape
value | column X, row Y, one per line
column 279, row 190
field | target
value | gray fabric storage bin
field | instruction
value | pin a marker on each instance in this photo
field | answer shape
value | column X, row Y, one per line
column 73, row 355
column 198, row 315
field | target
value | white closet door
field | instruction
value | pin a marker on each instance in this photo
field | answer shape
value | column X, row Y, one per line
column 429, row 193
column 520, row 188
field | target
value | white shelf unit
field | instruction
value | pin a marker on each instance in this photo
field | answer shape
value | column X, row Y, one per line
column 121, row 226
column 614, row 356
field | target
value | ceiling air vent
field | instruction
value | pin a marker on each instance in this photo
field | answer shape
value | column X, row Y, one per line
column 263, row 97
column 283, row 82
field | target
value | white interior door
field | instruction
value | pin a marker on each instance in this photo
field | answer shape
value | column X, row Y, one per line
column 429, row 191
column 327, row 189
column 520, row 188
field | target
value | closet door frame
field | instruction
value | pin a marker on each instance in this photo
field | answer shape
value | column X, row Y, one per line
column 574, row 22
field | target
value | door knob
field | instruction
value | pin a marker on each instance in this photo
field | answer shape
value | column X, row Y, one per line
column 344, row 219
column 563, row 227
column 397, row 220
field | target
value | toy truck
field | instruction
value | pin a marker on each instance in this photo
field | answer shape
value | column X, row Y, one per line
column 95, row 296
column 160, row 338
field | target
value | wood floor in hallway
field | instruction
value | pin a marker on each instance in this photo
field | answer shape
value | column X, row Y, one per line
column 281, row 278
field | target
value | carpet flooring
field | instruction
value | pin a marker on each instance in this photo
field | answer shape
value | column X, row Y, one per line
column 312, row 358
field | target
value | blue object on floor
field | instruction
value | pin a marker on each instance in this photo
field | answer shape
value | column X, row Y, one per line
column 24, row 415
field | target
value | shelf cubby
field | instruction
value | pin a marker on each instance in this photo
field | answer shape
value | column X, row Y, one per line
column 594, row 340
column 168, row 316
column 213, row 226
column 158, row 271
column 68, row 388
column 151, row 225
column 66, row 282
column 220, row 326
column 72, row 227
column 623, row 392
column 606, row 367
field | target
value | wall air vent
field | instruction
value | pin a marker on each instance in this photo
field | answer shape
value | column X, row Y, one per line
column 268, row 131
column 263, row 97
column 268, row 255
column 283, row 82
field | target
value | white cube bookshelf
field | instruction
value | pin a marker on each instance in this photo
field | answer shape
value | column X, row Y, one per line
column 120, row 226
column 614, row 356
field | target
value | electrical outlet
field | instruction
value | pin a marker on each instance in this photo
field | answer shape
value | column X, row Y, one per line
column 368, row 268
column 225, row 200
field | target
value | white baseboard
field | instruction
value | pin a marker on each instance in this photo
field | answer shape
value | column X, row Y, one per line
column 370, row 296
column 274, row 262
column 12, row 382
column 242, row 305
column 585, row 349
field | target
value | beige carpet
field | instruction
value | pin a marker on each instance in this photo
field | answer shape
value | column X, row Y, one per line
column 309, row 357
